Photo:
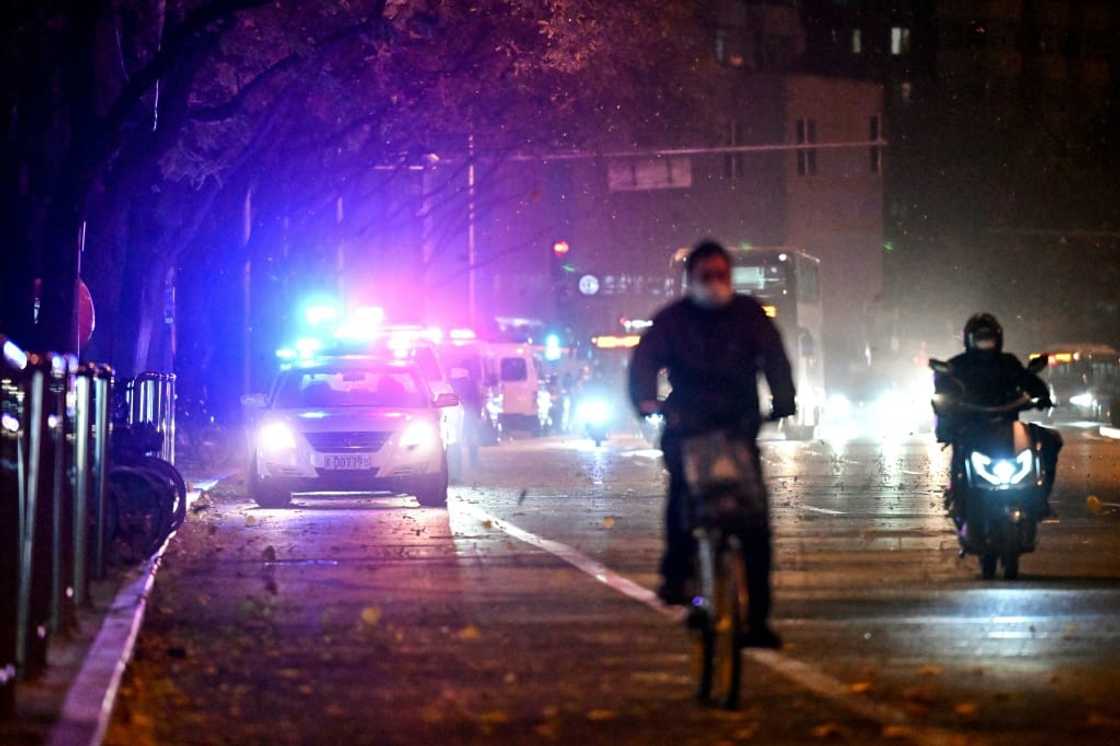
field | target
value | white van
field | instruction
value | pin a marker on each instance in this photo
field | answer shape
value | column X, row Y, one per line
column 512, row 373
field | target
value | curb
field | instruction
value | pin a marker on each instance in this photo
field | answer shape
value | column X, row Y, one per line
column 1110, row 432
column 89, row 702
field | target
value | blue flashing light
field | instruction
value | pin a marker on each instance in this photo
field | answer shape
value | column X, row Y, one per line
column 319, row 310
column 308, row 347
column 552, row 351
column 286, row 353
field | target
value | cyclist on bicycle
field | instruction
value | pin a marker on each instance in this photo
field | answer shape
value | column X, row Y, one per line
column 713, row 343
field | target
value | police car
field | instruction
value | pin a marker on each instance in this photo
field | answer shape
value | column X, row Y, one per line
column 351, row 424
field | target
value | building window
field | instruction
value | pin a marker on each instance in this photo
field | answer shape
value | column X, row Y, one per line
column 733, row 167
column 857, row 41
column 900, row 41
column 805, row 133
column 875, row 133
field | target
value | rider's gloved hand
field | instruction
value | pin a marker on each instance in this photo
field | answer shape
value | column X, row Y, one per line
column 1045, row 403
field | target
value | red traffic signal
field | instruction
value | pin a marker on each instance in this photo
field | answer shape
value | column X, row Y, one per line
column 560, row 248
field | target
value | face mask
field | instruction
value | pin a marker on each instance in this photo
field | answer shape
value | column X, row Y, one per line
column 710, row 295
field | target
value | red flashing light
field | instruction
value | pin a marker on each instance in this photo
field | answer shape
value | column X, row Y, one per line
column 560, row 248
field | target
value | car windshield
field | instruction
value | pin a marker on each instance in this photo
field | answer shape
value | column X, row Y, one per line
column 349, row 388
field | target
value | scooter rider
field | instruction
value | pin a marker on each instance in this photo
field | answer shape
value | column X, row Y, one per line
column 713, row 342
column 991, row 377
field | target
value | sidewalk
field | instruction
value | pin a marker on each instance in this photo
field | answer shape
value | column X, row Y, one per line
column 71, row 702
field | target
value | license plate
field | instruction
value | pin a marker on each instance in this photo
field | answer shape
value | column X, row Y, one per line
column 347, row 462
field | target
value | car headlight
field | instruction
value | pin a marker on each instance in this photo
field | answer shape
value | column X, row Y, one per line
column 594, row 411
column 418, row 434
column 1003, row 472
column 274, row 437
column 1085, row 400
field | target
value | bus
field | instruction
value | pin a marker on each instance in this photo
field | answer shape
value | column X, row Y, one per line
column 787, row 284
column 1084, row 381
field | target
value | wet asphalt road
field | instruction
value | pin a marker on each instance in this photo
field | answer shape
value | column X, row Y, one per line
column 371, row 620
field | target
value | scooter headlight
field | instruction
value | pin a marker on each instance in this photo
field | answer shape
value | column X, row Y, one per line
column 594, row 411
column 1003, row 472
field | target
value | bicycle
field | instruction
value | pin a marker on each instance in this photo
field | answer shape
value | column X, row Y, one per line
column 726, row 496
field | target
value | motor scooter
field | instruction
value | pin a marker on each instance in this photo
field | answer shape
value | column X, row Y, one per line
column 999, row 475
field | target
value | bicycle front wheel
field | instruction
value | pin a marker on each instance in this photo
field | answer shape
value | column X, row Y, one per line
column 717, row 626
column 730, row 607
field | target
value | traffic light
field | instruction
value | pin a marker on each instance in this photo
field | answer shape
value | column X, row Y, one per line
column 562, row 275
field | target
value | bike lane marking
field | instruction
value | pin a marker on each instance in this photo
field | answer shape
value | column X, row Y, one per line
column 825, row 511
column 803, row 674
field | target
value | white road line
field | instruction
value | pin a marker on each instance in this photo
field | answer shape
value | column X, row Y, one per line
column 88, row 706
column 826, row 511
column 803, row 674
column 1110, row 432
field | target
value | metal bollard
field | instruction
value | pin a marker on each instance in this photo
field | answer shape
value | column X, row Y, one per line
column 13, row 364
column 80, row 479
column 34, row 601
column 60, row 426
column 102, row 414
column 151, row 400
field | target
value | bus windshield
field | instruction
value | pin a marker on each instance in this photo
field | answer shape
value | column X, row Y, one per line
column 758, row 279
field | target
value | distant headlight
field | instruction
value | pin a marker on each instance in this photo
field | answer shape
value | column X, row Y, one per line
column 274, row 437
column 594, row 411
column 419, row 434
column 838, row 406
column 1085, row 400
column 1003, row 472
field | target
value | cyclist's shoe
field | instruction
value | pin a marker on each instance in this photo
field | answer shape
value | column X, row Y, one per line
column 762, row 636
column 673, row 593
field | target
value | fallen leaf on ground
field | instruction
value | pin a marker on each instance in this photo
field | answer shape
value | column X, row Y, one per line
column 470, row 632
column 1094, row 504
column 431, row 714
column 860, row 687
column 931, row 669
column 1096, row 720
column 488, row 524
column 601, row 715
column 827, row 730
column 923, row 694
column 371, row 615
column 898, row 732
column 250, row 520
column 494, row 717
column 745, row 734
column 608, row 522
column 966, row 709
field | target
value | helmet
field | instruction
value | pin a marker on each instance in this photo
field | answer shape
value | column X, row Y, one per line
column 983, row 332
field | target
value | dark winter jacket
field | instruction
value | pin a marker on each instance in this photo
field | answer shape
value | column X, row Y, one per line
column 713, row 357
column 990, row 380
